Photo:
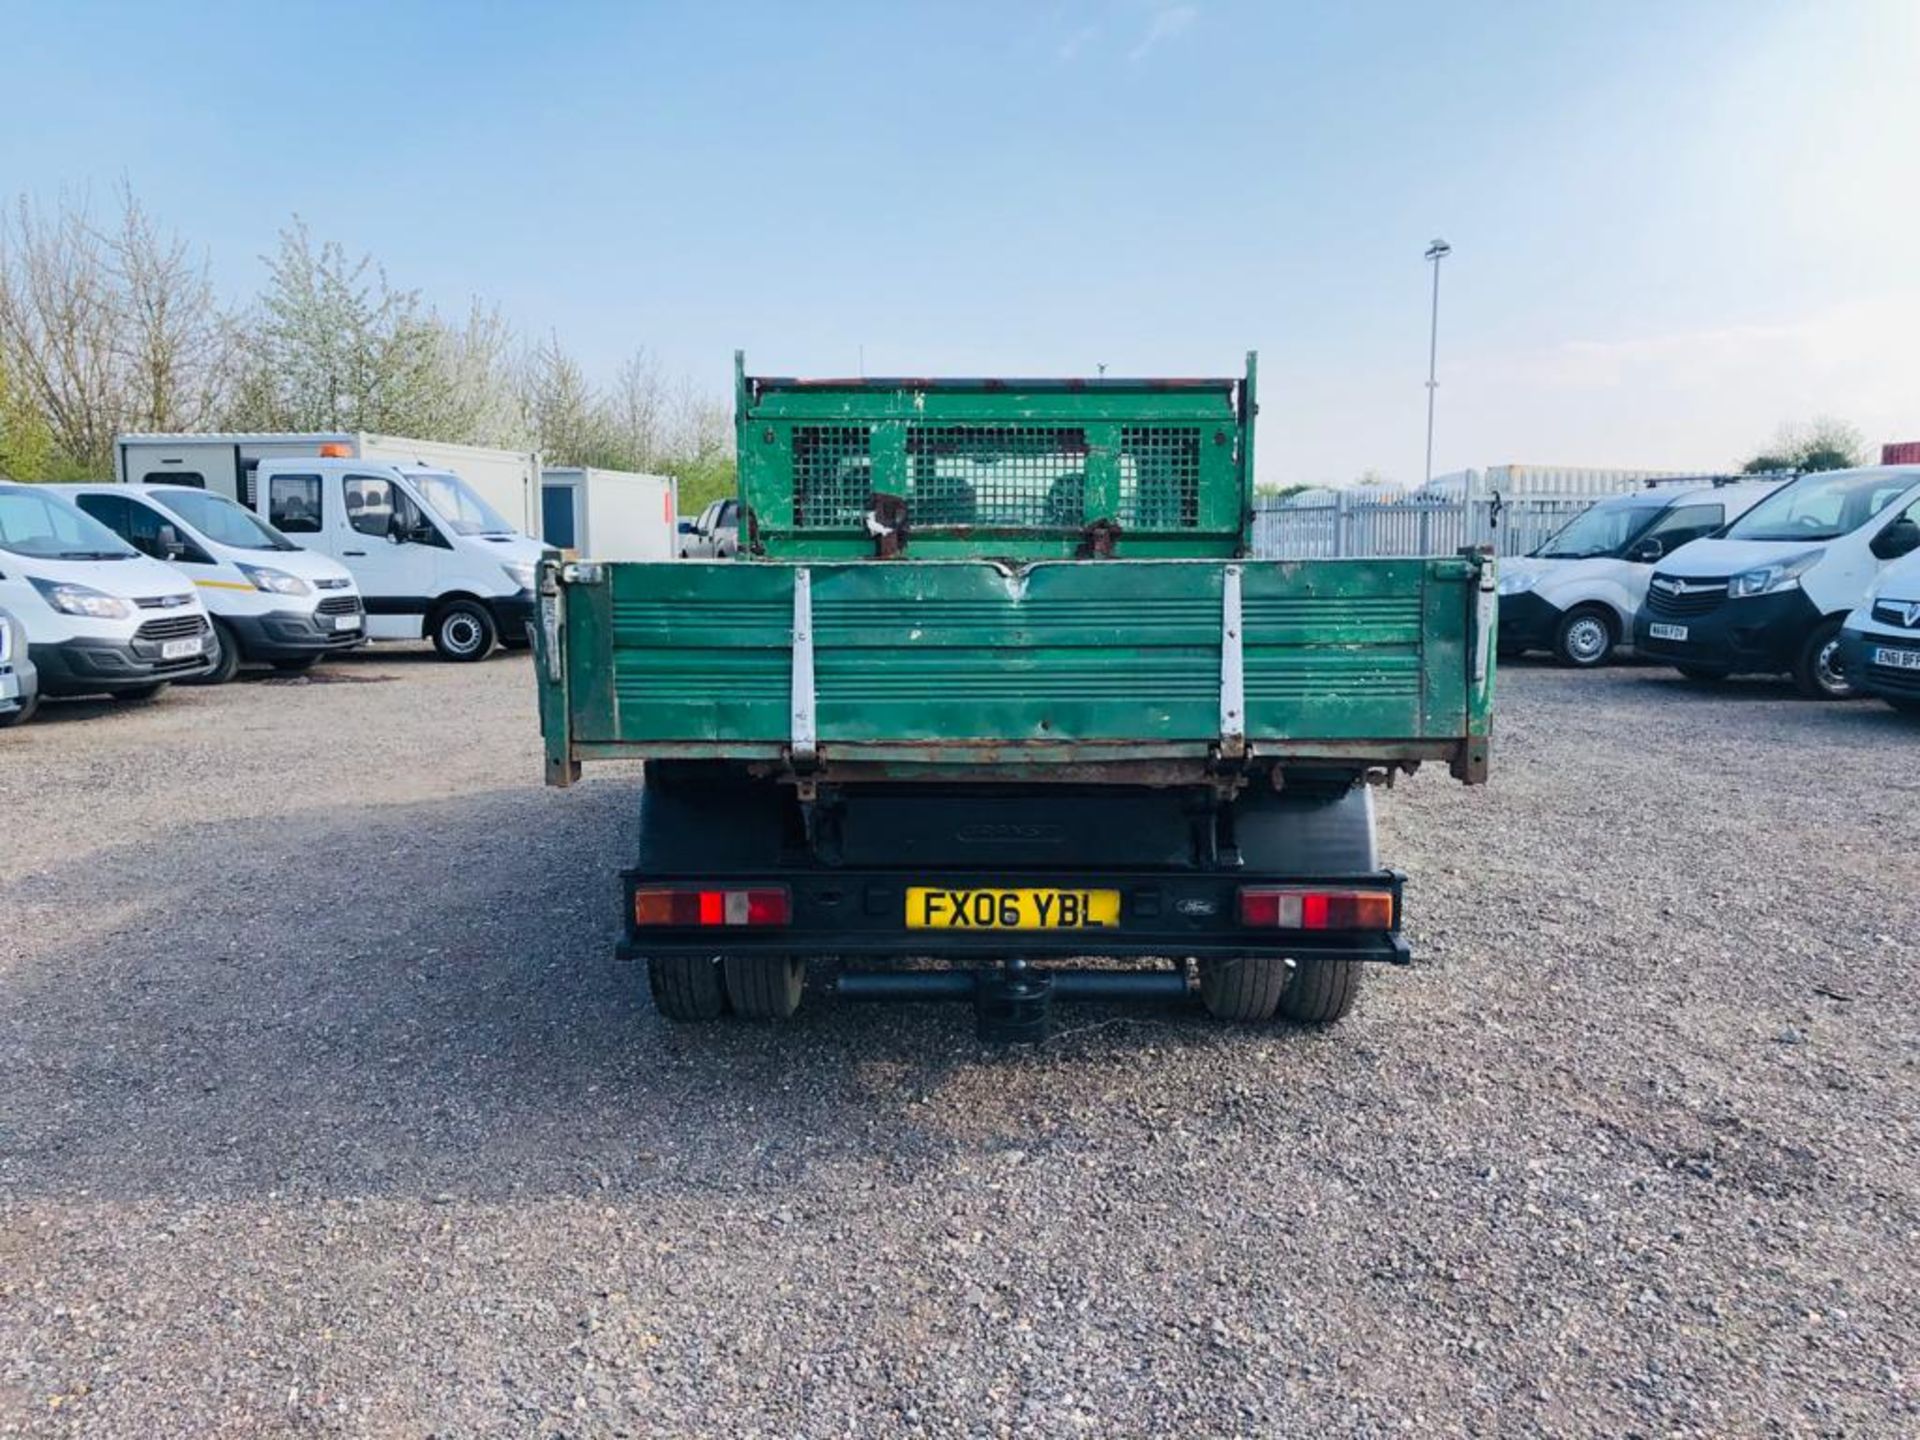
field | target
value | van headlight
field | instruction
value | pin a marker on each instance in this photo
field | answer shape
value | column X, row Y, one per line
column 72, row 599
column 520, row 572
column 1769, row 578
column 1516, row 582
column 279, row 582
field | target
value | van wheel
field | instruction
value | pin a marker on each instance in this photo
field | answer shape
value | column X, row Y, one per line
column 139, row 694
column 1244, row 989
column 463, row 631
column 23, row 713
column 686, row 989
column 1322, row 991
column 1816, row 669
column 226, row 657
column 764, row 987
column 1585, row 637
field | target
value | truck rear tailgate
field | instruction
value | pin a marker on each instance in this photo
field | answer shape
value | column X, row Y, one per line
column 975, row 663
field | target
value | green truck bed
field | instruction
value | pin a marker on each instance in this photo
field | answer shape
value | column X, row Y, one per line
column 981, row 665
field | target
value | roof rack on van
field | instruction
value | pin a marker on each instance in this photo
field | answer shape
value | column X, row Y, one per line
column 1718, row 480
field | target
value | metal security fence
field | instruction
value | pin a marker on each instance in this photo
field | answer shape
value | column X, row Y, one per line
column 1347, row 528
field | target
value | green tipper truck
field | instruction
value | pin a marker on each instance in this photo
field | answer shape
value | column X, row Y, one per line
column 995, row 704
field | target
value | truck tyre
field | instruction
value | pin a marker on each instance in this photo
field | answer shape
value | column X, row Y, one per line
column 140, row 694
column 1816, row 669
column 1322, row 991
column 463, row 630
column 226, row 661
column 1585, row 637
column 1244, row 989
column 764, row 987
column 686, row 989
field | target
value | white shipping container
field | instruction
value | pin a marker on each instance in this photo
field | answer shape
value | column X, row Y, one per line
column 609, row 514
column 508, row 480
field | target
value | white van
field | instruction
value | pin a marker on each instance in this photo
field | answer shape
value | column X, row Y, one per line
column 432, row 559
column 1769, row 596
column 1880, row 643
column 1577, row 596
column 101, row 618
column 272, row 602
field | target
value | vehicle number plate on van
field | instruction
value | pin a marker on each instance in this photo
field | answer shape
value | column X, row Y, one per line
column 1896, row 659
column 1667, row 632
column 934, row 909
column 181, row 649
column 346, row 622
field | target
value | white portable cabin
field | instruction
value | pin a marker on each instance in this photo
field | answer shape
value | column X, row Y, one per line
column 508, row 480
column 609, row 514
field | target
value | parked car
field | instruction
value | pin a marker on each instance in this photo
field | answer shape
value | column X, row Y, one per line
column 715, row 534
column 432, row 559
column 1577, row 596
column 19, row 680
column 272, row 602
column 1770, row 595
column 1880, row 644
column 101, row 618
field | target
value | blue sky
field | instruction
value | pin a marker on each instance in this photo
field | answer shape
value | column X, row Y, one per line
column 1675, row 224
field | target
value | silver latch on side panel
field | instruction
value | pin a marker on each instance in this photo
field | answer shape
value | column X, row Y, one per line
column 802, row 729
column 1233, row 683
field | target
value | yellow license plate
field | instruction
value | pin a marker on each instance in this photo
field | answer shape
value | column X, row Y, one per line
column 929, row 908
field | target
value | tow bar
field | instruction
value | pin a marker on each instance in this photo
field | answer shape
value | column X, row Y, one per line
column 1013, row 1001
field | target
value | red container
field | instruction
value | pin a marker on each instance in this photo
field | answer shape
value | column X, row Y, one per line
column 1900, row 452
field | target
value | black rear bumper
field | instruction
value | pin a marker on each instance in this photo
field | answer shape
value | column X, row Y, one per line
column 1163, row 915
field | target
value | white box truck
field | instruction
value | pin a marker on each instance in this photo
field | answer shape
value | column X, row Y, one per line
column 609, row 514
column 508, row 480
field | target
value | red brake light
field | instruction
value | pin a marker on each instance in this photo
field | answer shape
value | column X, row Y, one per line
column 1269, row 907
column 691, row 907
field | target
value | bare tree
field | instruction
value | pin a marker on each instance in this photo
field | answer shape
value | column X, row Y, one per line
column 174, row 345
column 59, row 327
column 105, row 330
column 640, row 405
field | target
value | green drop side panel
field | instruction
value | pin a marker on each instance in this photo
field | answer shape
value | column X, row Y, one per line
column 1349, row 659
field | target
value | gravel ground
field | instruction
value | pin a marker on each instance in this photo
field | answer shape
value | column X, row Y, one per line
column 325, row 1110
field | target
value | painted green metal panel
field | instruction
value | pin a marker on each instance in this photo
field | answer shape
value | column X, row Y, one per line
column 1071, row 658
column 1007, row 469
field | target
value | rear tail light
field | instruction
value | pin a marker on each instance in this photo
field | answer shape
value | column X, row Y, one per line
column 691, row 906
column 1287, row 908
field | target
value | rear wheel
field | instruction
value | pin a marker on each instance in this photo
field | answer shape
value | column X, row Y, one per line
column 1243, row 990
column 23, row 713
column 764, row 987
column 463, row 630
column 138, row 694
column 1585, row 637
column 1322, row 991
column 686, row 989
column 1817, row 670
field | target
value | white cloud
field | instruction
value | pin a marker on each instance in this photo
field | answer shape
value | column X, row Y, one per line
column 1167, row 24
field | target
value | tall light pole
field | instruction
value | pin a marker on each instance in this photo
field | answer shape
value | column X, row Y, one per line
column 1436, row 252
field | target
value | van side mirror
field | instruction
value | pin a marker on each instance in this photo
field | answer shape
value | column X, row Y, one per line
column 1902, row 537
column 171, row 546
column 1645, row 552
